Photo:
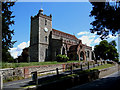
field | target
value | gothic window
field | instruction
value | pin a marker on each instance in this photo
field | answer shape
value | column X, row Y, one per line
column 45, row 22
column 88, row 54
column 81, row 55
column 45, row 38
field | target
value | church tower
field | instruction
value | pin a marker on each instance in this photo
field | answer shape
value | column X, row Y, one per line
column 41, row 28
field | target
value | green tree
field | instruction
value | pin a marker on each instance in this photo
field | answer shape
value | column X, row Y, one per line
column 113, row 43
column 106, row 50
column 112, row 51
column 107, row 16
column 25, row 55
column 101, row 50
column 7, row 20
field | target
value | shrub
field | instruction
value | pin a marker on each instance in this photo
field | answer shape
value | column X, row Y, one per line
column 62, row 58
column 14, row 78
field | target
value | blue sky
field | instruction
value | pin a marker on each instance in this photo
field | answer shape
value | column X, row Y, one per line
column 69, row 17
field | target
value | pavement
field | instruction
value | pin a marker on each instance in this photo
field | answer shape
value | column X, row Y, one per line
column 110, row 82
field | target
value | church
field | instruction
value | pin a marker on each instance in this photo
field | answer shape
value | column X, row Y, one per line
column 46, row 43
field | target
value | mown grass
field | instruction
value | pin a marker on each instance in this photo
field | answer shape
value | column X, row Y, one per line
column 14, row 65
column 102, row 66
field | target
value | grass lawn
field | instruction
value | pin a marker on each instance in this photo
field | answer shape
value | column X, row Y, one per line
column 103, row 66
column 14, row 65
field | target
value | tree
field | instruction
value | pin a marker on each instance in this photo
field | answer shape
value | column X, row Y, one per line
column 113, row 43
column 107, row 16
column 101, row 50
column 106, row 50
column 7, row 20
column 25, row 55
column 112, row 52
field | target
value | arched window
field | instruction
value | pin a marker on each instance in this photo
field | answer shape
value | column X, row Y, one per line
column 45, row 21
column 88, row 54
column 45, row 38
column 81, row 55
column 63, row 51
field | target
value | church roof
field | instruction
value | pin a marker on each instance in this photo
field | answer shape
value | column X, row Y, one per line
column 65, row 34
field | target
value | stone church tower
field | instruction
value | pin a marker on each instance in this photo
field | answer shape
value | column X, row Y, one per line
column 41, row 29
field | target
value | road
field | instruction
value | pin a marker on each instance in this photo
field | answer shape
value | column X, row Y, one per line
column 110, row 82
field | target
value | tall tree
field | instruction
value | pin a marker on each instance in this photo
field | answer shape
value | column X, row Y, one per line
column 107, row 16
column 25, row 55
column 106, row 50
column 7, row 20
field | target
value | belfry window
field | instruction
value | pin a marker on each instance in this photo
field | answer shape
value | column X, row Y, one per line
column 45, row 38
column 45, row 22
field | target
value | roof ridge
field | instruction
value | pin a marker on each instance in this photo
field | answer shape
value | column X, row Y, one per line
column 65, row 33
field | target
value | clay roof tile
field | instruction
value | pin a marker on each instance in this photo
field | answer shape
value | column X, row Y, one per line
column 73, row 36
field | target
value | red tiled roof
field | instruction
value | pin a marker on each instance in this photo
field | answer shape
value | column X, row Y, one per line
column 72, row 36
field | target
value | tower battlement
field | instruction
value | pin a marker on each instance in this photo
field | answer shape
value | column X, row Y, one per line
column 40, row 14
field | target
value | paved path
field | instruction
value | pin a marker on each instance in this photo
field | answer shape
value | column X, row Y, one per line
column 110, row 82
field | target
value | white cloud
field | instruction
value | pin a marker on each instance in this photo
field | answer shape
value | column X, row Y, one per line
column 87, row 37
column 82, row 33
column 28, row 43
column 112, row 37
column 92, row 39
column 22, row 45
column 86, row 40
column 15, row 52
column 97, row 40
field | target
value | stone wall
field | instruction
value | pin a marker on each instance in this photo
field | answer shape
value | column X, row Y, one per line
column 45, row 68
column 26, row 71
column 10, row 72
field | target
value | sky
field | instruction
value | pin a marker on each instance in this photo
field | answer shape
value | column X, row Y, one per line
column 69, row 17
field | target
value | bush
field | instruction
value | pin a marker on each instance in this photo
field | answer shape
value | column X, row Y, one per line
column 14, row 78
column 62, row 58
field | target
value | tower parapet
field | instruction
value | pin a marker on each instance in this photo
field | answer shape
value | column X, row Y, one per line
column 40, row 13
